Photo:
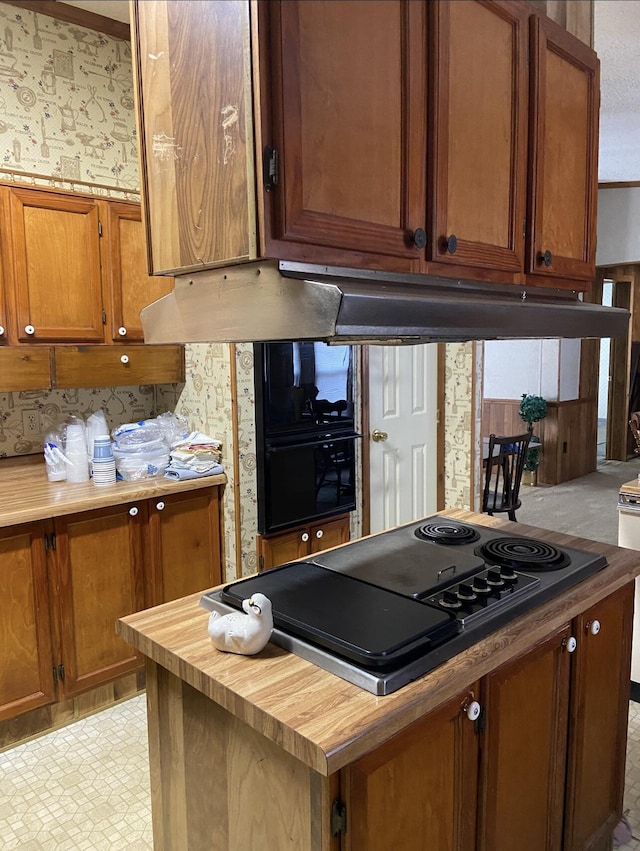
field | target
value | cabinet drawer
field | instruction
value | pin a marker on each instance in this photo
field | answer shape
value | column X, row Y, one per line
column 84, row 366
column 25, row 369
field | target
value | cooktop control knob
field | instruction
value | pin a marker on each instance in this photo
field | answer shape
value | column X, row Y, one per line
column 450, row 600
column 466, row 593
column 508, row 574
column 494, row 578
column 480, row 585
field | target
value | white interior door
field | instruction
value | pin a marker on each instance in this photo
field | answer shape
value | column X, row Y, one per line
column 403, row 393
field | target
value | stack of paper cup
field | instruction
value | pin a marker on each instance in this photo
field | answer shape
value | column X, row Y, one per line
column 103, row 462
column 76, row 452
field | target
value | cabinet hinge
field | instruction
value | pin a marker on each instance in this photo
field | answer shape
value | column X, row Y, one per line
column 480, row 723
column 99, row 228
column 49, row 541
column 271, row 168
column 104, row 316
column 338, row 818
column 524, row 228
column 261, row 562
column 58, row 673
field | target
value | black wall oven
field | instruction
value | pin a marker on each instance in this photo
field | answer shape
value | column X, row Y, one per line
column 305, row 432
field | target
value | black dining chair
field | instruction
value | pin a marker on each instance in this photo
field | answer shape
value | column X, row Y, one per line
column 505, row 459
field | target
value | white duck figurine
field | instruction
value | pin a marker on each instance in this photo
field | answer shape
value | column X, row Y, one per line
column 243, row 633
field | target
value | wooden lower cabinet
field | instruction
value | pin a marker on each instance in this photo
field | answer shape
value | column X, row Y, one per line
column 99, row 578
column 65, row 582
column 547, row 753
column 185, row 543
column 26, row 677
column 418, row 790
column 302, row 541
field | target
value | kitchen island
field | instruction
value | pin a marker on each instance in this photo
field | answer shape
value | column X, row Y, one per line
column 271, row 752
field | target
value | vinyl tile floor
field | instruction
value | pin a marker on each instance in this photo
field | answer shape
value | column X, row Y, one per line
column 86, row 787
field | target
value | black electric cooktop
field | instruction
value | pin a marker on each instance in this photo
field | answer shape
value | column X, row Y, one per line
column 385, row 609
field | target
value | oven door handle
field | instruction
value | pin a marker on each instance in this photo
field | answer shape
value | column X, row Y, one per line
column 326, row 441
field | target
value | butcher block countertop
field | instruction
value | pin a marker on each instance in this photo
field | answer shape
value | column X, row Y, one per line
column 27, row 495
column 631, row 487
column 324, row 721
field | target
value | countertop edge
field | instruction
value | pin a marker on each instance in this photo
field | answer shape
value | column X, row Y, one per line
column 27, row 496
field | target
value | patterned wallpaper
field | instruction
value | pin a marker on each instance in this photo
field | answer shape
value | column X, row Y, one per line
column 461, row 426
column 66, row 101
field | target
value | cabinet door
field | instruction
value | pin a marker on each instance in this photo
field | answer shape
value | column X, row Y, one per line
column 99, row 579
column 563, row 188
column 480, row 133
column 56, row 267
column 598, row 730
column 332, row 533
column 417, row 791
column 186, row 543
column 280, row 549
column 348, row 123
column 130, row 285
column 192, row 61
column 524, row 749
column 26, row 661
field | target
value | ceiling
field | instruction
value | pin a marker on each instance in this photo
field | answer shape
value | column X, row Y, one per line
column 116, row 9
column 616, row 40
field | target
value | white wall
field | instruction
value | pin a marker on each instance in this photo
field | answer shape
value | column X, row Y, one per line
column 547, row 368
column 618, row 231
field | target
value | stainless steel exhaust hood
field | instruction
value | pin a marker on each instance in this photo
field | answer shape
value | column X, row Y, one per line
column 271, row 300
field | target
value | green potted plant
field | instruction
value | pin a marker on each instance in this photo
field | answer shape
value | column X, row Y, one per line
column 532, row 409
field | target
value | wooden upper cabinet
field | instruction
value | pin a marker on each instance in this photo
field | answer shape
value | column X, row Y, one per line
column 56, row 269
column 478, row 161
column 192, row 66
column 563, row 153
column 348, row 123
column 131, row 287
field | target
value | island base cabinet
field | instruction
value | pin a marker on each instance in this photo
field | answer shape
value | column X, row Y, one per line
column 219, row 785
column 600, row 682
column 524, row 750
column 417, row 791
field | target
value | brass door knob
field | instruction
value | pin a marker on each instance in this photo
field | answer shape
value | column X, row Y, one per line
column 379, row 436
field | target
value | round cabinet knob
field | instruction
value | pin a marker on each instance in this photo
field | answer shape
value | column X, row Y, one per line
column 319, row 533
column 594, row 627
column 1, row 330
column 545, row 257
column 304, row 537
column 473, row 710
column 124, row 359
column 122, row 331
column 379, row 436
column 570, row 644
column 160, row 505
column 450, row 243
column 133, row 511
column 30, row 330
column 419, row 238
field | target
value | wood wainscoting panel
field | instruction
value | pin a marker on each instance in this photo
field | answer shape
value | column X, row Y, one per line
column 568, row 434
